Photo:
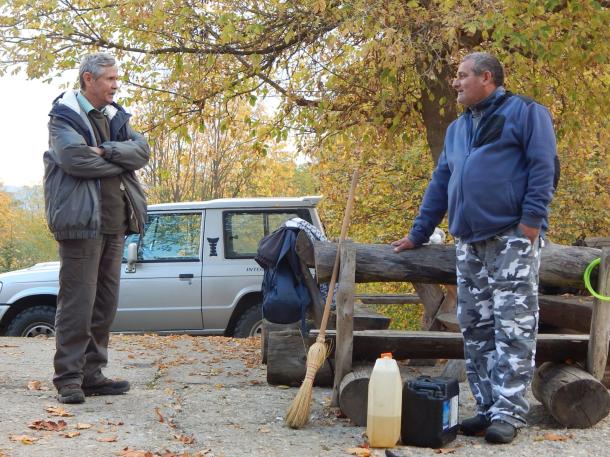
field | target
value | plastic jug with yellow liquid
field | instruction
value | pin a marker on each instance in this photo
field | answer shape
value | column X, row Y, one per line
column 384, row 403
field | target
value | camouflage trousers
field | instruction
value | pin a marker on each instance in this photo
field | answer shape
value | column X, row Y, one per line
column 498, row 314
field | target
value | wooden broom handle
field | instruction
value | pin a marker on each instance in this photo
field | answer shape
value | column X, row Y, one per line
column 333, row 279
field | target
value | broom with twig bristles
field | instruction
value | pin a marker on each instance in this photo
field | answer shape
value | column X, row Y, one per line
column 298, row 413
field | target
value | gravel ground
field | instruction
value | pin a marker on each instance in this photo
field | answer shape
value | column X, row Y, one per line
column 208, row 396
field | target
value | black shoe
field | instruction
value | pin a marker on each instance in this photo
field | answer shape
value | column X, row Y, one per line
column 71, row 393
column 500, row 432
column 107, row 387
column 474, row 425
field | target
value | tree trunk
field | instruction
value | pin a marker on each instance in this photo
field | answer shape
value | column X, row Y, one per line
column 560, row 266
column 439, row 106
column 572, row 396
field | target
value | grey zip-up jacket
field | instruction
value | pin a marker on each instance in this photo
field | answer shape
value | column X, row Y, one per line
column 73, row 170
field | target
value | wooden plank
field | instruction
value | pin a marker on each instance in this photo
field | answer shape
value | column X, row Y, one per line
column 432, row 296
column 446, row 316
column 345, row 316
column 560, row 265
column 573, row 312
column 369, row 344
column 367, row 319
column 389, row 299
column 597, row 241
column 317, row 307
column 304, row 248
column 597, row 355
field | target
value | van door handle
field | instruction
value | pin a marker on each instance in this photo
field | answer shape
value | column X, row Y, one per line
column 186, row 276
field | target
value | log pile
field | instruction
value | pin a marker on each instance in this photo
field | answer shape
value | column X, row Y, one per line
column 561, row 266
column 559, row 386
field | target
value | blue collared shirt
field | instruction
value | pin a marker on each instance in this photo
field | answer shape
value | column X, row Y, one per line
column 84, row 103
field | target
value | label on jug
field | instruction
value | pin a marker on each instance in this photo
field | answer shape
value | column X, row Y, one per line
column 450, row 413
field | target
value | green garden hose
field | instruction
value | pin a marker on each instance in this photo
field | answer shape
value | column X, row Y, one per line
column 587, row 278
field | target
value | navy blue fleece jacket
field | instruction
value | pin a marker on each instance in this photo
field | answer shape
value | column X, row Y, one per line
column 494, row 177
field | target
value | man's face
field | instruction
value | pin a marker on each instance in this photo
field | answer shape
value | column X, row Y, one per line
column 100, row 92
column 471, row 88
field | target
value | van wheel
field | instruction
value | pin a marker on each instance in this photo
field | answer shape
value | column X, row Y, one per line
column 250, row 323
column 35, row 321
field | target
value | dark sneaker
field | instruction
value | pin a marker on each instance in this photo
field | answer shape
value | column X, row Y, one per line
column 107, row 387
column 71, row 393
column 500, row 432
column 475, row 425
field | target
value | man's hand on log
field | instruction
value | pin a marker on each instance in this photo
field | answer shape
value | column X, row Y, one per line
column 402, row 244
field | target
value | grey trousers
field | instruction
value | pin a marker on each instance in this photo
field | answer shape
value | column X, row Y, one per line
column 498, row 314
column 89, row 279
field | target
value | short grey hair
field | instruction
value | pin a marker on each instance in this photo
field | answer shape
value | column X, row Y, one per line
column 484, row 61
column 94, row 64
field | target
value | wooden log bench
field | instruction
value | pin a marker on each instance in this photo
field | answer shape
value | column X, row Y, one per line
column 376, row 263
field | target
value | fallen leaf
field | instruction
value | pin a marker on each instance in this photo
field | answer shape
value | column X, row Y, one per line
column 359, row 451
column 448, row 450
column 111, row 422
column 23, row 439
column 58, row 411
column 107, row 439
column 264, row 430
column 184, row 439
column 48, row 425
column 34, row 385
column 83, row 426
column 161, row 419
column 70, row 434
column 556, row 437
column 202, row 453
column 127, row 452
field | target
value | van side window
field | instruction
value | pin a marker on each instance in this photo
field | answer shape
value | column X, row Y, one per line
column 169, row 238
column 242, row 230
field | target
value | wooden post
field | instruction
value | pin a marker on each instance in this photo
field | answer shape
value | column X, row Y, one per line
column 431, row 296
column 597, row 355
column 304, row 250
column 345, row 316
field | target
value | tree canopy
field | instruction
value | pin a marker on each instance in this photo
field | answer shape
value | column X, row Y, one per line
column 372, row 76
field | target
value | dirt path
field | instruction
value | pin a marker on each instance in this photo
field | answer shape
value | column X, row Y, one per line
column 208, row 396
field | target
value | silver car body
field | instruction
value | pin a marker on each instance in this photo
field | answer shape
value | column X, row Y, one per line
column 195, row 271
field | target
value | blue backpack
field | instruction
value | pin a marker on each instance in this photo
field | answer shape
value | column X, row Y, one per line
column 285, row 296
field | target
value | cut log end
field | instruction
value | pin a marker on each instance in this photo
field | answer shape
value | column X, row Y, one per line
column 354, row 393
column 574, row 398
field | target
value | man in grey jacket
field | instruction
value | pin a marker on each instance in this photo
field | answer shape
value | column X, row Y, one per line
column 92, row 200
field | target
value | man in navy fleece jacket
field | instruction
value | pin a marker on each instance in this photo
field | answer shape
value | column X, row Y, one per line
column 495, row 178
